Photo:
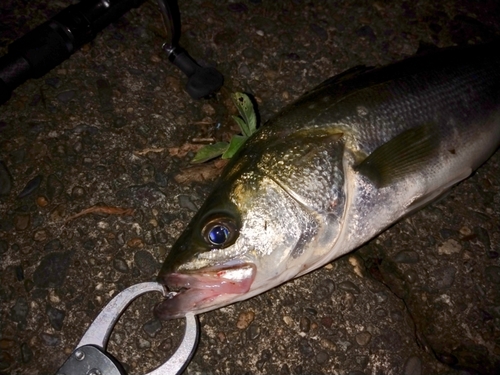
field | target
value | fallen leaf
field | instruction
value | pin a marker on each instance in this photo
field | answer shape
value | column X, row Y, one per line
column 201, row 173
column 184, row 149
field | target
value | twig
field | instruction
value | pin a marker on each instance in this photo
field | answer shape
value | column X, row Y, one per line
column 103, row 210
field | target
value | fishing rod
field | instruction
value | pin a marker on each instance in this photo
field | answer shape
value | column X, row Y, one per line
column 49, row 44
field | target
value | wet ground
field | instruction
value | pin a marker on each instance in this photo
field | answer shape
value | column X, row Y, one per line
column 113, row 128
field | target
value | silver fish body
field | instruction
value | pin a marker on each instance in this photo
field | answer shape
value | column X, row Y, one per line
column 332, row 170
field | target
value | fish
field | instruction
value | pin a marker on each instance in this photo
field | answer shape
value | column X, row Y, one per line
column 332, row 170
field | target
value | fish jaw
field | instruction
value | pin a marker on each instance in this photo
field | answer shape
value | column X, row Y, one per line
column 205, row 289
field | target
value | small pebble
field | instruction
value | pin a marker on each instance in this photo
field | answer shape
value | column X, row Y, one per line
column 30, row 187
column 56, row 317
column 407, row 256
column 465, row 231
column 49, row 339
column 305, row 348
column 143, row 343
column 288, row 320
column 363, row 338
column 52, row 270
column 135, row 243
column 146, row 263
column 362, row 360
column 244, row 70
column 349, row 286
column 58, row 213
column 413, row 366
column 161, row 237
column 221, row 336
column 22, row 222
column 166, row 345
column 54, row 297
column 185, row 202
column 77, row 192
column 40, row 235
column 253, row 332
column 66, row 96
column 322, row 357
column 152, row 327
column 118, row 337
column 380, row 313
column 357, row 265
column 120, row 265
column 42, row 201
column 244, row 319
column 449, row 247
column 325, row 289
column 411, row 276
column 305, row 324
column 26, row 353
column 53, row 81
column 443, row 277
column 328, row 344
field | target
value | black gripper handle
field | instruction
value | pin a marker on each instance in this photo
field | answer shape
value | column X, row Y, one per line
column 202, row 81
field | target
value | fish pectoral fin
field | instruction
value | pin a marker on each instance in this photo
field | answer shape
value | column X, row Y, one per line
column 401, row 156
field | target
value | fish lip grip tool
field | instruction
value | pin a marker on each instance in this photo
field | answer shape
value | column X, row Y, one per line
column 90, row 356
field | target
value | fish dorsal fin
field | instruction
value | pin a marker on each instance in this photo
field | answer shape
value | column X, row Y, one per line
column 344, row 76
column 401, row 156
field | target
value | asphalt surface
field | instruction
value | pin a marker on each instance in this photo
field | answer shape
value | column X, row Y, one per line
column 112, row 127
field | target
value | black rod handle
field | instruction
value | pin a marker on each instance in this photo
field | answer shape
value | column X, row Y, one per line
column 49, row 44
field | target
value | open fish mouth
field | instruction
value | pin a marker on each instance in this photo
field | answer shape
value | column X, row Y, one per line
column 204, row 289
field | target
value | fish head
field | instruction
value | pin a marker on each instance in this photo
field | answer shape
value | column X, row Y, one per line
column 255, row 231
column 228, row 252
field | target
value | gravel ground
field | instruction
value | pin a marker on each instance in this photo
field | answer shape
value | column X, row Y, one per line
column 112, row 127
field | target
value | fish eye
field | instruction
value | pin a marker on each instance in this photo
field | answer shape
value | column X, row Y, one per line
column 220, row 232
